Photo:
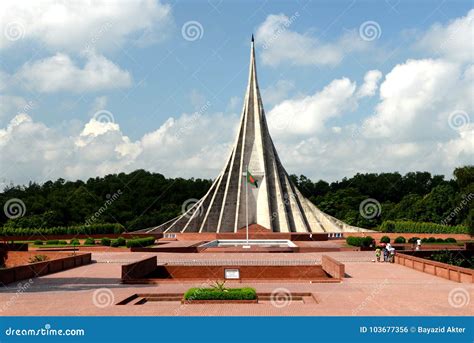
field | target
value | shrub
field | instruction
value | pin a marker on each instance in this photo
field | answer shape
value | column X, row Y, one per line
column 62, row 243
column 140, row 242
column 400, row 240
column 439, row 240
column 420, row 227
column 413, row 239
column 38, row 258
column 431, row 240
column 105, row 241
column 119, row 242
column 450, row 240
column 52, row 242
column 74, row 241
column 385, row 239
column 71, row 230
column 359, row 241
column 89, row 241
column 38, row 242
column 246, row 293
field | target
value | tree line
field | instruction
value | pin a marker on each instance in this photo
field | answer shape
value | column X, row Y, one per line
column 142, row 199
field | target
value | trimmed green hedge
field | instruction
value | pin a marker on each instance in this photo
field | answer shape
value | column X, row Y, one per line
column 140, row 242
column 71, row 230
column 105, row 241
column 400, row 239
column 359, row 241
column 420, row 227
column 245, row 293
column 119, row 242
column 89, row 241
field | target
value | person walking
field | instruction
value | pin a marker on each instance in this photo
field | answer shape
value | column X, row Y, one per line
column 377, row 254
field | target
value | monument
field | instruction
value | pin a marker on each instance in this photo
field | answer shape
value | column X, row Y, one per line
column 253, row 188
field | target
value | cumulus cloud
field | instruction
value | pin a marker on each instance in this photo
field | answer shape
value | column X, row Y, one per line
column 79, row 25
column 453, row 40
column 281, row 45
column 61, row 73
column 371, row 83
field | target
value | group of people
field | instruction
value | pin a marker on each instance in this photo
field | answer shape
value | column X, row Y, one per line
column 387, row 251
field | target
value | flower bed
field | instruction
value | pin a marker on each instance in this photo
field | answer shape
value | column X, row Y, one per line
column 217, row 295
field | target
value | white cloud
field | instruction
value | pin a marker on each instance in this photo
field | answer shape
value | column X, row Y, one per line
column 60, row 73
column 277, row 92
column 79, row 25
column 371, row 83
column 453, row 40
column 281, row 45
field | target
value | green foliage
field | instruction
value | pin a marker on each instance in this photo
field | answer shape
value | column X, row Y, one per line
column 140, row 242
column 119, row 242
column 385, row 239
column 400, row 240
column 359, row 241
column 415, row 227
column 245, row 293
column 62, row 243
column 38, row 258
column 454, row 258
column 450, row 240
column 89, row 241
column 105, row 241
column 52, row 242
column 38, row 242
column 72, row 230
column 413, row 239
column 74, row 241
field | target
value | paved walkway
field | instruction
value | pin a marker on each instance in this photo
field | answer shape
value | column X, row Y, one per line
column 369, row 289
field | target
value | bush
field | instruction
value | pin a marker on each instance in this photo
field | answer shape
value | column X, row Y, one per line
column 413, row 239
column 450, row 240
column 38, row 258
column 140, row 242
column 420, row 227
column 400, row 240
column 431, row 240
column 105, row 241
column 119, row 242
column 38, row 242
column 359, row 241
column 70, row 230
column 52, row 242
column 246, row 293
column 62, row 243
column 439, row 240
column 74, row 241
column 89, row 241
column 385, row 239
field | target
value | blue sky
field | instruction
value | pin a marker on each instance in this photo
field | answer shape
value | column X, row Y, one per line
column 131, row 66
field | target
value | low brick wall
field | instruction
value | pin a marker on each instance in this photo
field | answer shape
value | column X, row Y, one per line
column 333, row 267
column 378, row 235
column 443, row 270
column 139, row 269
column 13, row 274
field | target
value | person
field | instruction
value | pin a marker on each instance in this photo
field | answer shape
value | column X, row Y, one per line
column 377, row 254
column 392, row 255
column 418, row 244
column 385, row 254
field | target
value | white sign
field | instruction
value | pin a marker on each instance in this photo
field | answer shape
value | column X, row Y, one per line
column 231, row 274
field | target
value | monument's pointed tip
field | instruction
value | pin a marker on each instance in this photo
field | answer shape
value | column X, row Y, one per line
column 252, row 38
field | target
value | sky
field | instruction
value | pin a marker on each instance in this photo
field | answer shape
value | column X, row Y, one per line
column 89, row 88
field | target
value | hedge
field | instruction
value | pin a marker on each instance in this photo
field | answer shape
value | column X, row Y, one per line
column 245, row 293
column 119, row 242
column 71, row 230
column 89, row 241
column 400, row 239
column 420, row 227
column 359, row 241
column 140, row 242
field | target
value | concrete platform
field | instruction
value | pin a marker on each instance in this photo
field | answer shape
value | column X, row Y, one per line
column 368, row 289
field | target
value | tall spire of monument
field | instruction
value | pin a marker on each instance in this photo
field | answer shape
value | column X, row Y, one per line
column 276, row 204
